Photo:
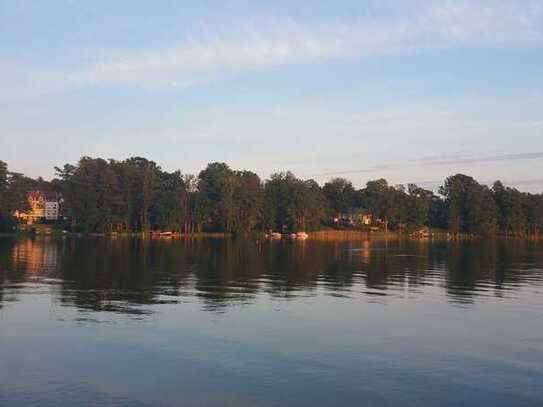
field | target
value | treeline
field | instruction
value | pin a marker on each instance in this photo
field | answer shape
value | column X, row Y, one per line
column 136, row 195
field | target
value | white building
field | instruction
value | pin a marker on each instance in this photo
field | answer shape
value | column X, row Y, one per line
column 44, row 205
column 51, row 210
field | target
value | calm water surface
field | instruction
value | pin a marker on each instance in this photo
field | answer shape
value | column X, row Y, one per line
column 128, row 322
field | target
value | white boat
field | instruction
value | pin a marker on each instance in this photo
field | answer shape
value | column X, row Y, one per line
column 276, row 236
column 302, row 235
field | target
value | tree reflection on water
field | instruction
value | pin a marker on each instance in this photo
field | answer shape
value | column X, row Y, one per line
column 131, row 275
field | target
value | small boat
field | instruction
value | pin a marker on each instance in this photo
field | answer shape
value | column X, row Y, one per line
column 161, row 234
column 293, row 235
column 276, row 236
column 302, row 235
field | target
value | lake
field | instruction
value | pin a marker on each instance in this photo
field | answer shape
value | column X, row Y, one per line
column 226, row 323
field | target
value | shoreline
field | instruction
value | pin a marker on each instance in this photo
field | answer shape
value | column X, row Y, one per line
column 318, row 235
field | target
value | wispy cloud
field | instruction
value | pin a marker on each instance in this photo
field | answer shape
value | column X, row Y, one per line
column 439, row 160
column 272, row 43
column 371, row 169
column 480, row 158
column 534, row 185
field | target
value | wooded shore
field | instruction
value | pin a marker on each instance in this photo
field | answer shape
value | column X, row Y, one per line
column 133, row 196
column 318, row 235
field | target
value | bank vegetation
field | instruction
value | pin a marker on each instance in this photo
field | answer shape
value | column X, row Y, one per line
column 138, row 196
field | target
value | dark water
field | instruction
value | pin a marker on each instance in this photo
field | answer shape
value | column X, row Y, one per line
column 127, row 322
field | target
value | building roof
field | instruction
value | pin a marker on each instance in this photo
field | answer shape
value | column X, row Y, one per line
column 48, row 196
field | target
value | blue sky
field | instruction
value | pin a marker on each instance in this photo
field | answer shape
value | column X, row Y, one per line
column 410, row 91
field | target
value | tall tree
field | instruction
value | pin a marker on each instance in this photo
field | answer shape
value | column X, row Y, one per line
column 217, row 184
column 6, row 220
column 3, row 186
column 167, row 208
column 510, row 205
column 16, row 198
column 533, row 210
column 92, row 193
column 471, row 207
column 249, row 198
column 143, row 176
column 382, row 201
column 192, row 220
column 340, row 194
column 416, row 206
column 293, row 204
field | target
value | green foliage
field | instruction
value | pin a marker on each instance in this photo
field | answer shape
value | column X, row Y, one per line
column 293, row 204
column 133, row 195
column 217, row 185
column 437, row 213
column 92, row 192
column 137, row 195
column 231, row 200
column 340, row 194
column 512, row 215
column 382, row 200
column 166, row 210
column 415, row 206
column 13, row 194
column 471, row 207
column 16, row 194
column 249, row 198
column 533, row 209
column 7, row 223
column 3, row 186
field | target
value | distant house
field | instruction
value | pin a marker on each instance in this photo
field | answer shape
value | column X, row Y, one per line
column 354, row 217
column 44, row 205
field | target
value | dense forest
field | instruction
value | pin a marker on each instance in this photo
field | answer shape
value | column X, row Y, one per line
column 136, row 195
